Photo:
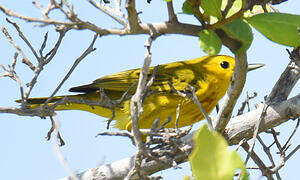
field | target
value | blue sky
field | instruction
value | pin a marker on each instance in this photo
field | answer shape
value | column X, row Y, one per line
column 25, row 154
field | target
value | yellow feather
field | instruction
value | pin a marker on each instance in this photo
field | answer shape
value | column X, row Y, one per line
column 210, row 75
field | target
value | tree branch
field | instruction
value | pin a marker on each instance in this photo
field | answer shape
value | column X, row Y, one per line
column 161, row 28
column 133, row 19
column 238, row 128
column 172, row 15
column 288, row 79
column 235, row 89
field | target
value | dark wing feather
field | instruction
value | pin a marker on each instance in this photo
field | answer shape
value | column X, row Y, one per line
column 179, row 74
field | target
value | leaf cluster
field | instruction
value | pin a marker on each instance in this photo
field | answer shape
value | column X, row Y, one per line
column 236, row 21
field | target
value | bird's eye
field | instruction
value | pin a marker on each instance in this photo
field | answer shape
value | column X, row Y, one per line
column 224, row 64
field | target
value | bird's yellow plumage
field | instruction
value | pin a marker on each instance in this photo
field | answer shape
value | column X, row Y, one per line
column 209, row 75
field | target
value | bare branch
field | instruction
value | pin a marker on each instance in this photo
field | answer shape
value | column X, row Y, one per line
column 161, row 28
column 41, row 64
column 293, row 152
column 288, row 79
column 265, row 171
column 24, row 39
column 11, row 73
column 25, row 59
column 267, row 150
column 235, row 89
column 172, row 15
column 46, row 11
column 192, row 95
column 275, row 115
column 236, row 130
column 246, row 103
column 117, row 134
column 133, row 19
column 77, row 61
column 293, row 133
column 57, row 133
column 256, row 129
column 11, row 13
column 59, row 153
column 196, row 100
column 136, row 107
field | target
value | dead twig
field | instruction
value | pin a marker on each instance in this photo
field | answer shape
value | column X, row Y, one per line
column 77, row 61
column 25, row 59
column 122, row 134
column 257, row 126
column 136, row 104
column 246, row 103
column 192, row 95
column 59, row 154
column 57, row 133
column 265, row 171
column 11, row 73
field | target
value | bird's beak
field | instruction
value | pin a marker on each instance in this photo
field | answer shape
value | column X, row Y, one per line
column 254, row 66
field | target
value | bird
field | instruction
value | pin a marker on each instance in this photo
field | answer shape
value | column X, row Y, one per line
column 210, row 76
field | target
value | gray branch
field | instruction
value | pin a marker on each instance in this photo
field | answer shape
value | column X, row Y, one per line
column 238, row 128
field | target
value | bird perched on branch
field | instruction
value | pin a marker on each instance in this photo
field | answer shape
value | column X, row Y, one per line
column 109, row 96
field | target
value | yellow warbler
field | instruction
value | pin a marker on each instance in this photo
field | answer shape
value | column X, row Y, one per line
column 209, row 75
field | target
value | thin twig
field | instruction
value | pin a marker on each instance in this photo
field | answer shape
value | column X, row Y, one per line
column 293, row 133
column 24, row 39
column 246, row 102
column 276, row 141
column 123, row 134
column 77, row 61
column 25, row 59
column 256, row 129
column 44, row 62
column 177, row 115
column 293, row 152
column 59, row 154
column 43, row 45
column 240, row 144
column 57, row 133
column 263, row 168
column 11, row 73
column 192, row 95
column 196, row 100
column 266, row 150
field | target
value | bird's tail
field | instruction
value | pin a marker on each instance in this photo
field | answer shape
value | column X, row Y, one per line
column 121, row 115
column 37, row 102
column 71, row 105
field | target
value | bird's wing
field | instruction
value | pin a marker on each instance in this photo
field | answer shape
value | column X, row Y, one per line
column 179, row 74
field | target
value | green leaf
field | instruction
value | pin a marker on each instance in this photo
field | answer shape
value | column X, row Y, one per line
column 212, row 7
column 240, row 31
column 210, row 42
column 278, row 27
column 187, row 7
column 168, row 0
column 211, row 159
